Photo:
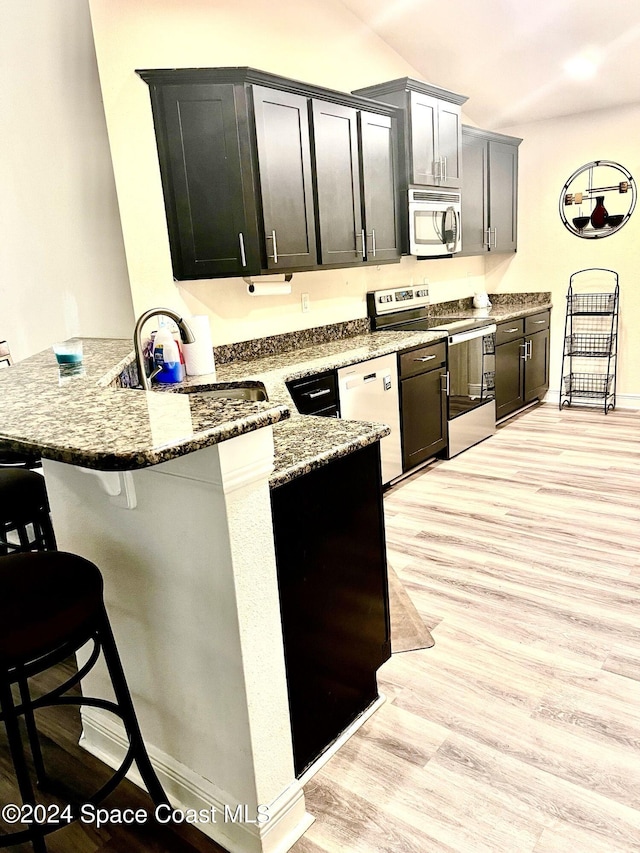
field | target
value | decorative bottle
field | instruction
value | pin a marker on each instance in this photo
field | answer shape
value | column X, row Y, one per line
column 599, row 214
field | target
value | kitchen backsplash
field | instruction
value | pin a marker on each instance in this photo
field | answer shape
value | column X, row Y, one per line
column 274, row 344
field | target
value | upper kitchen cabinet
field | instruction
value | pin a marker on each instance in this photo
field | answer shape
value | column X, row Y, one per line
column 335, row 131
column 262, row 174
column 489, row 192
column 209, row 203
column 431, row 130
column 355, row 159
column 284, row 158
column 379, row 156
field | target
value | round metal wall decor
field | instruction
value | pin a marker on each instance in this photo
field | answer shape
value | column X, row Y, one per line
column 597, row 200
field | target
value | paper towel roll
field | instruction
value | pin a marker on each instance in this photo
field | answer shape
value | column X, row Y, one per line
column 272, row 289
column 198, row 356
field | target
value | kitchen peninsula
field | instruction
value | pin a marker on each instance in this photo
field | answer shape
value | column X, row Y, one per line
column 169, row 494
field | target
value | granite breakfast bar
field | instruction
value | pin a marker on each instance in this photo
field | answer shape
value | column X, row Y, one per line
column 169, row 494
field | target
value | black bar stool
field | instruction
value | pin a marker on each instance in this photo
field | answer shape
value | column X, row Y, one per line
column 24, row 512
column 51, row 604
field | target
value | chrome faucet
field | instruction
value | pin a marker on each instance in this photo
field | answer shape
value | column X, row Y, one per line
column 186, row 335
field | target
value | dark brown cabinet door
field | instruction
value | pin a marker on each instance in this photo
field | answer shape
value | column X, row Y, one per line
column 435, row 142
column 335, row 132
column 449, row 144
column 423, row 414
column 475, row 195
column 503, row 193
column 536, row 374
column 423, row 146
column 210, row 230
column 332, row 580
column 381, row 219
column 284, row 164
column 509, row 377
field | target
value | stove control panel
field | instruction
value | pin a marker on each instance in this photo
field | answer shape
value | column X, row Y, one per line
column 396, row 299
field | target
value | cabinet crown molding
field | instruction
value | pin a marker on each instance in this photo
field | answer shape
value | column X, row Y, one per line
column 492, row 136
column 409, row 84
column 245, row 75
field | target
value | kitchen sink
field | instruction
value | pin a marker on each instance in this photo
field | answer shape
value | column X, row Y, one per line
column 254, row 392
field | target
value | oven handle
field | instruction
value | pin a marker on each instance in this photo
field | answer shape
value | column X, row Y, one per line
column 469, row 335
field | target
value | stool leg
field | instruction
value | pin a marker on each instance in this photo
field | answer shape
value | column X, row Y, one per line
column 125, row 703
column 17, row 755
column 48, row 536
column 44, row 531
column 25, row 542
column 32, row 732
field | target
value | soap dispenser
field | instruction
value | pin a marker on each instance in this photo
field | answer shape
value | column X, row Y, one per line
column 166, row 356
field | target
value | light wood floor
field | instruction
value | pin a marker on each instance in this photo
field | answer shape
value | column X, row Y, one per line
column 520, row 729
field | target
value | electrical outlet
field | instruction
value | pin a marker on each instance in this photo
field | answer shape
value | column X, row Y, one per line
column 305, row 302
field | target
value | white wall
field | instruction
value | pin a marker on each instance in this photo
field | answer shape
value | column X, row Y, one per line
column 62, row 265
column 317, row 41
column 548, row 253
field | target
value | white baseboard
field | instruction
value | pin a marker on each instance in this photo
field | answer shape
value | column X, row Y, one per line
column 623, row 401
column 288, row 820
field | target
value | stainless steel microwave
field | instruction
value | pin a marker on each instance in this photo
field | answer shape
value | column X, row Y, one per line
column 434, row 223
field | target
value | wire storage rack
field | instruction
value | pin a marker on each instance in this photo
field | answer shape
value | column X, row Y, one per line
column 589, row 358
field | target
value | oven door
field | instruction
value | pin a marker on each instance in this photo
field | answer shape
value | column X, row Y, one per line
column 434, row 227
column 471, row 366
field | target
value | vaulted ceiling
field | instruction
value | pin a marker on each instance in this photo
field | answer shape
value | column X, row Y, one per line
column 509, row 56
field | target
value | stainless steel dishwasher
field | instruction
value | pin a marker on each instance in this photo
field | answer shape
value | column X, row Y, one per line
column 368, row 391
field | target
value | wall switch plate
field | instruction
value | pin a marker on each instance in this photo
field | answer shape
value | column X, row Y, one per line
column 304, row 298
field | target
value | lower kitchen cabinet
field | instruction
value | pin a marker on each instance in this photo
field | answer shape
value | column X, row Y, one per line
column 332, row 578
column 423, row 415
column 522, row 362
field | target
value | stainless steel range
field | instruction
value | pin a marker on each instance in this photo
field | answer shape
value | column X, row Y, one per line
column 471, row 408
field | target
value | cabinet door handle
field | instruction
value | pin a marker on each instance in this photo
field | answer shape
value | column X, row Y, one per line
column 425, row 358
column 373, row 242
column 539, row 322
column 363, row 239
column 444, row 168
column 243, row 256
column 437, row 168
column 446, row 383
column 495, row 238
column 272, row 237
column 508, row 331
column 529, row 349
column 523, row 347
column 487, row 242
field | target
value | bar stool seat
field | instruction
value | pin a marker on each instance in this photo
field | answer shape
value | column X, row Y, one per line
column 24, row 512
column 51, row 604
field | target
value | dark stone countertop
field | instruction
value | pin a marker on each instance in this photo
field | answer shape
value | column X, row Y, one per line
column 87, row 419
column 90, row 421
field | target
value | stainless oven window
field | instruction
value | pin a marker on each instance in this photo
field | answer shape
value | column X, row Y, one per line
column 471, row 368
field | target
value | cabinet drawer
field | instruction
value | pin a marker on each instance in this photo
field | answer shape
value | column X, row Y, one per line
column 421, row 359
column 314, row 394
column 536, row 322
column 509, row 331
